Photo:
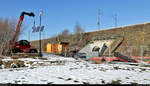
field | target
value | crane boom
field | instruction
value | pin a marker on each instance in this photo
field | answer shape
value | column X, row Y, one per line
column 20, row 23
column 12, row 41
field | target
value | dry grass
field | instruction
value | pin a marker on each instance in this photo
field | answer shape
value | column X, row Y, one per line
column 12, row 64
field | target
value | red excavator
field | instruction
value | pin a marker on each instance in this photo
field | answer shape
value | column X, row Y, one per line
column 22, row 46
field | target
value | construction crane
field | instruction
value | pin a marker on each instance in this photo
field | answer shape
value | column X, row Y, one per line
column 22, row 46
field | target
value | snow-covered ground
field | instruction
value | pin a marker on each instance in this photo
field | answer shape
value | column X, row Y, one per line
column 71, row 71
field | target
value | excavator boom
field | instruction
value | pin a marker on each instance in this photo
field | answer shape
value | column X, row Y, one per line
column 13, row 41
column 19, row 24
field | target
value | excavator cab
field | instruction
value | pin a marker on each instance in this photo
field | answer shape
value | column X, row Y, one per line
column 24, row 43
column 23, row 46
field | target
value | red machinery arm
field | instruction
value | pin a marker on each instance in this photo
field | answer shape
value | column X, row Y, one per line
column 12, row 41
column 19, row 24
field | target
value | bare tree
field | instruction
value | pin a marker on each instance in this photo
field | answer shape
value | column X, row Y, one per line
column 6, row 32
column 22, row 30
column 65, row 32
column 78, row 28
column 7, row 29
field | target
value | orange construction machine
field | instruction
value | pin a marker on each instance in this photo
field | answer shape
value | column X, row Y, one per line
column 22, row 46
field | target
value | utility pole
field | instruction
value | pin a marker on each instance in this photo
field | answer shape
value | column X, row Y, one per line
column 40, row 54
column 115, row 19
column 98, row 23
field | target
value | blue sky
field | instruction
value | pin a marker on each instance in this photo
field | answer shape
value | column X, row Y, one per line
column 63, row 14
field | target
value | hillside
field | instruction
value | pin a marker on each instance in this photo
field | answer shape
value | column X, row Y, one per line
column 134, row 37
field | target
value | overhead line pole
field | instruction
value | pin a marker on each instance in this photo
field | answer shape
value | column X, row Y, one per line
column 98, row 23
column 115, row 19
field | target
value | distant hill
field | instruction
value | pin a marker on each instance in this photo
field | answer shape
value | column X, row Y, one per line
column 135, row 36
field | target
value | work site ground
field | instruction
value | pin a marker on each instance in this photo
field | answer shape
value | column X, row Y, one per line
column 54, row 69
